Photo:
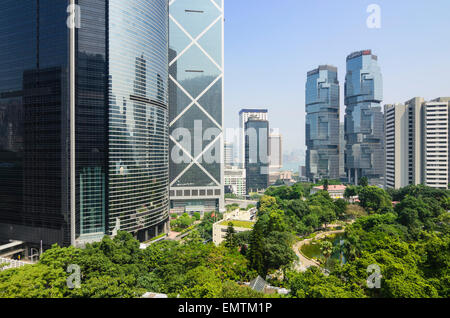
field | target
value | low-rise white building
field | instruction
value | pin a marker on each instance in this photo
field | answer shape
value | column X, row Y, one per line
column 220, row 228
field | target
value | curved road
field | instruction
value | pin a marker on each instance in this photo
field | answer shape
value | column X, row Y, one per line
column 304, row 262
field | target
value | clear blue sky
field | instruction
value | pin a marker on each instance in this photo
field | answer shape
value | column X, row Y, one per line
column 271, row 44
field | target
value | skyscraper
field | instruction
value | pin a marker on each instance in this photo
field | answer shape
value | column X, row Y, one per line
column 322, row 123
column 364, row 123
column 228, row 151
column 417, row 143
column 244, row 115
column 341, row 150
column 256, row 154
column 275, row 155
column 196, row 105
column 83, row 120
column 397, row 156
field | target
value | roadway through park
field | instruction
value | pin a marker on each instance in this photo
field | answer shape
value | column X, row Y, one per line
column 304, row 262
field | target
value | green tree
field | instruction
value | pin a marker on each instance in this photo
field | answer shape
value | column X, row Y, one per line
column 277, row 221
column 267, row 204
column 350, row 191
column 364, row 182
column 277, row 251
column 326, row 247
column 375, row 200
column 33, row 281
column 201, row 282
column 325, row 184
column 256, row 249
column 229, row 236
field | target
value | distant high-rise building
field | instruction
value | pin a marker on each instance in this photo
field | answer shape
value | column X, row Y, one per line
column 228, row 152
column 436, row 143
column 275, row 155
column 244, row 115
column 83, row 120
column 302, row 173
column 275, row 150
column 341, row 150
column 417, row 143
column 322, row 123
column 236, row 179
column 364, row 121
column 256, row 154
column 196, row 105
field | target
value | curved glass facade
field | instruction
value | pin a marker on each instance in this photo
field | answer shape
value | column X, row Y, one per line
column 364, row 122
column 121, row 120
column 138, row 115
column 322, row 123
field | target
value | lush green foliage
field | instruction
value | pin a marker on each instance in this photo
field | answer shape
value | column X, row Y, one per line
column 182, row 222
column 205, row 227
column 118, row 268
column 409, row 242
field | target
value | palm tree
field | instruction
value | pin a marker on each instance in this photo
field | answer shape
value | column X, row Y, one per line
column 326, row 247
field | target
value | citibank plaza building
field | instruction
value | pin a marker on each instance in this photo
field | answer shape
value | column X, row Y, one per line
column 83, row 119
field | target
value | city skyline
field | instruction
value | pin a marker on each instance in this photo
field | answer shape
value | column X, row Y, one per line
column 124, row 174
column 249, row 86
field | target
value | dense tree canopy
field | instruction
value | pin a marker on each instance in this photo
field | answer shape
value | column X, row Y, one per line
column 410, row 243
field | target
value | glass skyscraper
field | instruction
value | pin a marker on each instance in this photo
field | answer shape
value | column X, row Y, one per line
column 256, row 154
column 364, row 121
column 322, row 123
column 83, row 119
column 196, row 105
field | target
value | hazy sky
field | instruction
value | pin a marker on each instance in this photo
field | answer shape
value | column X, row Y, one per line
column 270, row 45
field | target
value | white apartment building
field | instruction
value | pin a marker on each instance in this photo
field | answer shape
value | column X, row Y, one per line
column 236, row 178
column 397, row 156
column 436, row 155
column 417, row 139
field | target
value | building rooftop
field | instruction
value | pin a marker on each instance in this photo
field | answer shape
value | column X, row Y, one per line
column 361, row 53
column 323, row 68
column 333, row 187
column 238, row 223
column 248, row 110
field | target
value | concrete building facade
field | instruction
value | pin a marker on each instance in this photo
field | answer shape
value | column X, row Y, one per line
column 235, row 177
column 417, row 143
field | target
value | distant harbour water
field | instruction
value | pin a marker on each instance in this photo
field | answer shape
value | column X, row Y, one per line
column 292, row 166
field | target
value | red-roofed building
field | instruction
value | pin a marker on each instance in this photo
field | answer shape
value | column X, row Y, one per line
column 335, row 191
